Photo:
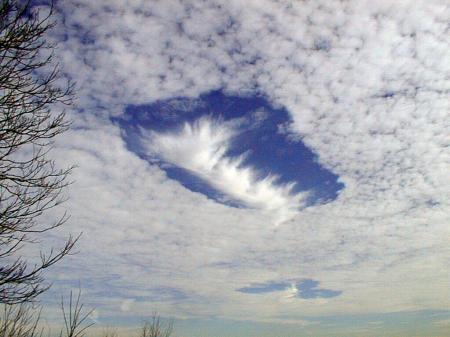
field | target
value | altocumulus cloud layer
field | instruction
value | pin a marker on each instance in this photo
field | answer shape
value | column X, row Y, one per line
column 366, row 86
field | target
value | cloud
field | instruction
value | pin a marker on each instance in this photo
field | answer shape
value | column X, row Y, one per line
column 365, row 85
column 202, row 148
column 127, row 305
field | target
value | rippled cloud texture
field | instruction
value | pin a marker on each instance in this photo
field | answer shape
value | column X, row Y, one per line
column 366, row 85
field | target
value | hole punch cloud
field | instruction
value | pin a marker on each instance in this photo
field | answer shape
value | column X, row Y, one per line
column 235, row 150
column 305, row 288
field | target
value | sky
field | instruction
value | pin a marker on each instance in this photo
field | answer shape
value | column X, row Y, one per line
column 258, row 168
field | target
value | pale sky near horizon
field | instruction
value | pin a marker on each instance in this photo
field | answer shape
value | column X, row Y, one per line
column 259, row 167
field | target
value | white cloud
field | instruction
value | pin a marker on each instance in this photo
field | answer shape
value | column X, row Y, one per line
column 290, row 294
column 127, row 305
column 366, row 84
column 202, row 148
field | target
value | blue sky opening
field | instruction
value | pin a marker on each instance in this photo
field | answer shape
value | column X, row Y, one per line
column 261, row 139
column 305, row 288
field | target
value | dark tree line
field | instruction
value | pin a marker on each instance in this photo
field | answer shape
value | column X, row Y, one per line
column 30, row 182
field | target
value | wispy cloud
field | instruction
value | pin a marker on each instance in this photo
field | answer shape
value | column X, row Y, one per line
column 202, row 148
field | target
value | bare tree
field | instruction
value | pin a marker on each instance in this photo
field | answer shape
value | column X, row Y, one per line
column 109, row 332
column 156, row 328
column 30, row 182
column 74, row 318
column 20, row 321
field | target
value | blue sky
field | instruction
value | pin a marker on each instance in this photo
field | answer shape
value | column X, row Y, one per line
column 273, row 167
column 306, row 289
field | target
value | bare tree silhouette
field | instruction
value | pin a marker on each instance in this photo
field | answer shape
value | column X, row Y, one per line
column 74, row 318
column 154, row 327
column 31, row 88
column 23, row 320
